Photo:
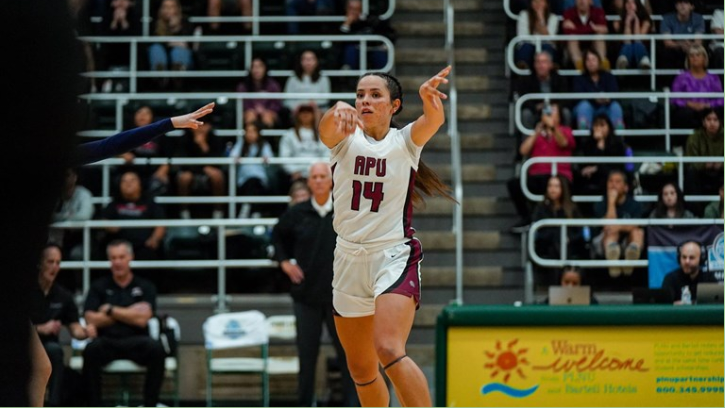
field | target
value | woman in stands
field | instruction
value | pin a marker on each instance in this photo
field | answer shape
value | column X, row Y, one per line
column 307, row 79
column 670, row 203
column 252, row 179
column 687, row 111
column 302, row 140
column 595, row 80
column 590, row 178
column 558, row 204
column 266, row 111
column 633, row 20
column 179, row 55
column 376, row 284
column 87, row 153
column 535, row 20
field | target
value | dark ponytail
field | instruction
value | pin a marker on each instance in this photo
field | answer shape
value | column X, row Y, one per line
column 427, row 182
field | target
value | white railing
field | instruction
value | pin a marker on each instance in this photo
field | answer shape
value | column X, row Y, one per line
column 680, row 160
column 653, row 72
column 449, row 19
column 247, row 42
column 565, row 223
column 231, row 164
column 147, row 17
column 610, row 17
column 221, row 98
column 651, row 96
column 221, row 263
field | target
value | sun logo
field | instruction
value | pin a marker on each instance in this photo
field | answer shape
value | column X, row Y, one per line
column 507, row 361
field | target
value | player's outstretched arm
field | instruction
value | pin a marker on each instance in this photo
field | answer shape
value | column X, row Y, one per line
column 433, row 113
column 337, row 123
column 122, row 142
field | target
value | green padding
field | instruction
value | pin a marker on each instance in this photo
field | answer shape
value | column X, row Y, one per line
column 541, row 315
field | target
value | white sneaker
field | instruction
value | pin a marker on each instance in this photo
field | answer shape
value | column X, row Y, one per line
column 645, row 63
column 622, row 62
column 185, row 214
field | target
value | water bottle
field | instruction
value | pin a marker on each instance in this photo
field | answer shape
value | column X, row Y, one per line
column 686, row 297
column 629, row 167
column 586, row 233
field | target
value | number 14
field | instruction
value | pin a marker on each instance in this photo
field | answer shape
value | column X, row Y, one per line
column 371, row 191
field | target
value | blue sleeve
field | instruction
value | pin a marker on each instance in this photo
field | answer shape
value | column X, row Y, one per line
column 120, row 143
column 698, row 22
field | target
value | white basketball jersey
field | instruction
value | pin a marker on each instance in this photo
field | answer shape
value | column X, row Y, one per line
column 373, row 187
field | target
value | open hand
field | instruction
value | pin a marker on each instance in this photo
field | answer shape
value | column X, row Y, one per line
column 191, row 120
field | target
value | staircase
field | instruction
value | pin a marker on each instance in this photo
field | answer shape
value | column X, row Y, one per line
column 492, row 256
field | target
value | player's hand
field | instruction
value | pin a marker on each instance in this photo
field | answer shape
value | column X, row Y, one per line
column 429, row 90
column 346, row 118
column 191, row 120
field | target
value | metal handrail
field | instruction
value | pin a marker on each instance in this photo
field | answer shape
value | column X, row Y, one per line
column 563, row 223
column 653, row 72
column 666, row 95
column 221, row 98
column 231, row 167
column 610, row 17
column 680, row 160
column 221, row 263
column 134, row 73
column 449, row 17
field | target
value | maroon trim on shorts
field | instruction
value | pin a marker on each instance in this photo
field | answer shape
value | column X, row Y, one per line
column 408, row 283
column 408, row 231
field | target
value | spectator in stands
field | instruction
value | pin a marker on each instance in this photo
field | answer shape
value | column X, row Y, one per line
column 670, row 203
column 572, row 276
column 687, row 111
column 178, row 55
column 117, row 311
column 634, row 20
column 194, row 179
column 215, row 8
column 121, row 19
column 304, row 243
column 307, row 79
column 618, row 204
column 591, row 178
column 133, row 204
column 617, row 6
column 537, row 19
column 558, row 204
column 154, row 177
column 706, row 141
column 559, row 6
column 595, row 80
column 299, row 192
column 583, row 18
column 75, row 204
column 308, row 8
column 689, row 274
column 359, row 24
column 549, row 139
column 252, row 179
column 715, row 208
column 545, row 80
column 59, row 310
column 684, row 20
column 716, row 46
column 266, row 111
column 302, row 141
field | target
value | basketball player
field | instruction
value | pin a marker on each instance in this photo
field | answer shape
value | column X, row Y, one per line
column 377, row 176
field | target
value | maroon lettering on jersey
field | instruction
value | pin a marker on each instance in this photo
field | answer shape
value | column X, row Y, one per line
column 364, row 165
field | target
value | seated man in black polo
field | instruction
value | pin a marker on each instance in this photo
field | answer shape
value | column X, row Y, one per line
column 685, row 279
column 57, row 310
column 117, row 310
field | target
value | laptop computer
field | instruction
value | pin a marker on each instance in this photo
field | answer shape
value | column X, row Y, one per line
column 643, row 296
column 710, row 293
column 569, row 295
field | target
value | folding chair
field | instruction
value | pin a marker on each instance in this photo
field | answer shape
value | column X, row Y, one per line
column 282, row 327
column 237, row 331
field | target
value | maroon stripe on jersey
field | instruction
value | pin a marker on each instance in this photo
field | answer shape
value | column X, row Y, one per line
column 408, row 284
column 332, row 174
column 408, row 230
